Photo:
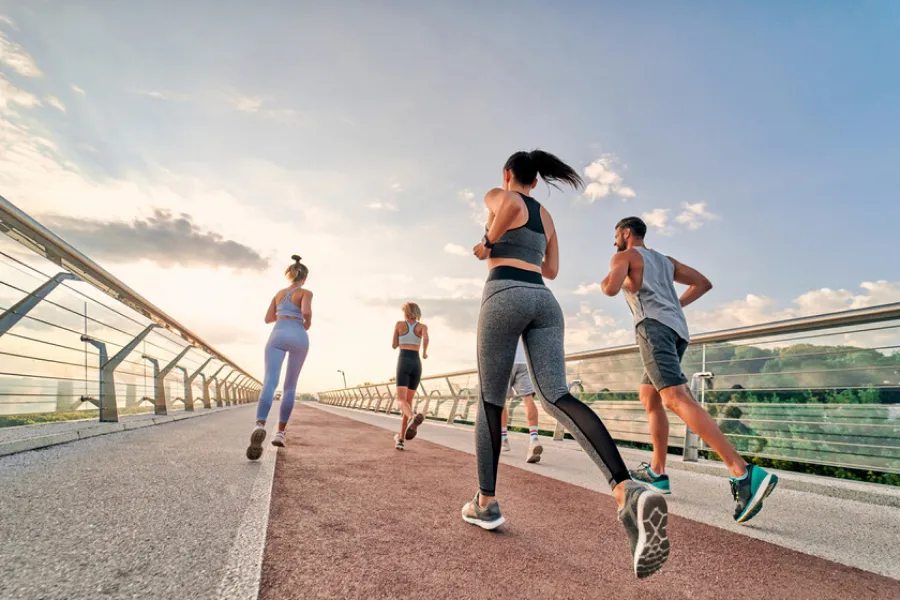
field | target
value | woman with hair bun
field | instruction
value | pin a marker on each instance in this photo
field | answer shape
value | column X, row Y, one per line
column 291, row 311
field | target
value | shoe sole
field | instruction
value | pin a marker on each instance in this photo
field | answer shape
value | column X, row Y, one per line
column 652, row 548
column 488, row 525
column 254, row 450
column 534, row 455
column 277, row 442
column 412, row 428
column 755, row 505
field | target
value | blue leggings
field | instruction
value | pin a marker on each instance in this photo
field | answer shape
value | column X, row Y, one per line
column 288, row 338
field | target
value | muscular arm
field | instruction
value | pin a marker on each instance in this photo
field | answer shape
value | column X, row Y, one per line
column 396, row 341
column 697, row 283
column 306, row 309
column 618, row 271
column 425, row 341
column 270, row 314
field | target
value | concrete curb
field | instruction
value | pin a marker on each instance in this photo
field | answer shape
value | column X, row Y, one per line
column 95, row 429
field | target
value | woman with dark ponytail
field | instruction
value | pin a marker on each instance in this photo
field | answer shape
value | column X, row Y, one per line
column 522, row 248
column 291, row 311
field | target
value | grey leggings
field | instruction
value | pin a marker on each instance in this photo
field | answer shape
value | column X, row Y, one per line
column 510, row 309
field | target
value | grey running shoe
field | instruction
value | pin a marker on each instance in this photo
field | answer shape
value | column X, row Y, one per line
column 254, row 450
column 657, row 483
column 504, row 446
column 413, row 426
column 398, row 442
column 645, row 517
column 488, row 517
column 534, row 451
column 278, row 440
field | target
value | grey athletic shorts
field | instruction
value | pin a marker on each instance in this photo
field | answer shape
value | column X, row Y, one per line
column 661, row 351
column 520, row 382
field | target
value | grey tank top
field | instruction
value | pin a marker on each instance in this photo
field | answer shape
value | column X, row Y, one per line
column 657, row 298
column 528, row 242
column 410, row 338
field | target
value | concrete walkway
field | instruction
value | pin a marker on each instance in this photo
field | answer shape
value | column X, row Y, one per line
column 157, row 512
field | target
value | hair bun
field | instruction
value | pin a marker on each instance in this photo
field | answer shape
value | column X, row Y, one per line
column 296, row 258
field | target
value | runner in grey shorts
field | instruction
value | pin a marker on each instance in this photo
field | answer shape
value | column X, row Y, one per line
column 648, row 278
column 520, row 384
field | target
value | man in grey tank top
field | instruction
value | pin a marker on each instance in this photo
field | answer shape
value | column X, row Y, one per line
column 647, row 279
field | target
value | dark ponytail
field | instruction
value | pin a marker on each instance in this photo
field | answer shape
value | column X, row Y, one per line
column 297, row 271
column 526, row 166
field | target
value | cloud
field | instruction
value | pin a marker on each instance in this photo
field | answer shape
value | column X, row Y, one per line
column 585, row 289
column 55, row 103
column 77, row 89
column 604, row 180
column 396, row 187
column 460, row 287
column 456, row 250
column 230, row 100
column 591, row 328
column 658, row 219
column 9, row 22
column 478, row 212
column 16, row 57
column 10, row 94
column 754, row 309
column 382, row 206
column 695, row 216
column 171, row 96
column 162, row 238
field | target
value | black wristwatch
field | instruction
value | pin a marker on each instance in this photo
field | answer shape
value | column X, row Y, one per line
column 487, row 242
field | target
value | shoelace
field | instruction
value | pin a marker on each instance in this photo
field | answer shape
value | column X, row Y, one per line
column 734, row 489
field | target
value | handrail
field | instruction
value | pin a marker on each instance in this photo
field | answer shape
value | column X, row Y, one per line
column 846, row 318
column 19, row 226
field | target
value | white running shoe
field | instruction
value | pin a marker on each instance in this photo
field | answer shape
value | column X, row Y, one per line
column 278, row 440
column 398, row 442
column 534, row 451
column 505, row 445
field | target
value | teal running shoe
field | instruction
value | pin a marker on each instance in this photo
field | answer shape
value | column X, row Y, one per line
column 656, row 483
column 750, row 492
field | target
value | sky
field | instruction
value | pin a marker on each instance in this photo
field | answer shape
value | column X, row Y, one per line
column 191, row 148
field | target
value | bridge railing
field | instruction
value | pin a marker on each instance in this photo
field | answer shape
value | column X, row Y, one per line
column 821, row 390
column 76, row 342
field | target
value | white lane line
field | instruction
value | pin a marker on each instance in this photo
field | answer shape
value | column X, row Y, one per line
column 243, row 569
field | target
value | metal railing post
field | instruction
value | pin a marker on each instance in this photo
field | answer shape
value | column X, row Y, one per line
column 427, row 396
column 392, row 398
column 380, row 399
column 691, row 439
column 189, row 383
column 214, row 378
column 14, row 313
column 109, row 409
column 455, row 406
column 159, row 380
